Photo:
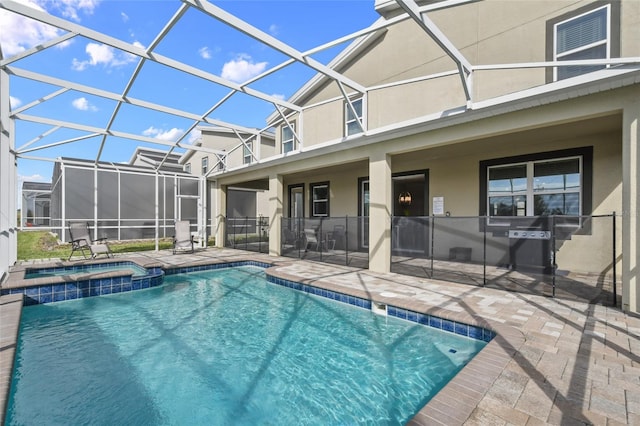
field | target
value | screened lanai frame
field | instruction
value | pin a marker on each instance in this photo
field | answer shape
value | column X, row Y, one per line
column 283, row 108
column 123, row 202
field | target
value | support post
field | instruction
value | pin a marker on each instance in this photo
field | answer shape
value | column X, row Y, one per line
column 631, row 206
column 8, row 208
column 380, row 212
column 221, row 202
column 276, row 203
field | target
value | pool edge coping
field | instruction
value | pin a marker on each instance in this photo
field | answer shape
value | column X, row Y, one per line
column 10, row 317
column 16, row 274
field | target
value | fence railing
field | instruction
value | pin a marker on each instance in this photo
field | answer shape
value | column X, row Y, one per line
column 558, row 256
column 248, row 233
column 336, row 240
column 568, row 257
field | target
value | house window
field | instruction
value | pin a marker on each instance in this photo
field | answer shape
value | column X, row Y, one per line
column 320, row 199
column 353, row 122
column 247, row 156
column 586, row 36
column 536, row 188
column 187, row 167
column 288, row 142
column 205, row 165
column 222, row 159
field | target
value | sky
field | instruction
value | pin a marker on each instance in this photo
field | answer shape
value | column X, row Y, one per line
column 196, row 40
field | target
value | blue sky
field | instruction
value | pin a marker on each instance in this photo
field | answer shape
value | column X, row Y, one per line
column 197, row 40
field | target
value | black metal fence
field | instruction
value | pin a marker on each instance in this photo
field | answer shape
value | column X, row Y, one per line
column 336, row 240
column 248, row 233
column 558, row 256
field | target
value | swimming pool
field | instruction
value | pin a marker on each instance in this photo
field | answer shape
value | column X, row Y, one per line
column 225, row 347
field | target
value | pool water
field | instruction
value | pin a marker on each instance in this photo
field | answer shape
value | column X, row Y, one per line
column 138, row 270
column 225, row 347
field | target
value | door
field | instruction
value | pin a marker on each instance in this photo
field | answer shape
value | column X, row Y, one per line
column 296, row 207
column 363, row 212
column 410, row 223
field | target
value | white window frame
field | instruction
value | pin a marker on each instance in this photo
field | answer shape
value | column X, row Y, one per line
column 530, row 192
column 348, row 121
column 247, row 152
column 291, row 140
column 205, row 165
column 607, row 41
column 222, row 161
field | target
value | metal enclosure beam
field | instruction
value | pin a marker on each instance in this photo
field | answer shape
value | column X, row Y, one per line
column 464, row 67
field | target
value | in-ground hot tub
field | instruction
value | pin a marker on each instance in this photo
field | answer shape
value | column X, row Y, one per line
column 55, row 283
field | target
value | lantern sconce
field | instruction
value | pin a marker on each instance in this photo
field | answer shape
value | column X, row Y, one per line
column 405, row 198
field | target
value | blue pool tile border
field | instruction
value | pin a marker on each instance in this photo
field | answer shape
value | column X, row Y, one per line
column 329, row 294
column 212, row 266
column 462, row 329
column 48, row 293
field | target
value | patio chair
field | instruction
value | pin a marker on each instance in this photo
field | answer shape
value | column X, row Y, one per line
column 182, row 239
column 81, row 241
column 311, row 239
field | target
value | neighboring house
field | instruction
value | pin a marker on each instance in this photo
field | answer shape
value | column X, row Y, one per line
column 123, row 199
column 233, row 150
column 36, row 202
column 458, row 113
column 156, row 158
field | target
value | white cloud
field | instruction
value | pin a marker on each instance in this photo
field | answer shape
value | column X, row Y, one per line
column 242, row 68
column 19, row 33
column 83, row 105
column 70, row 8
column 165, row 135
column 101, row 54
column 125, row 17
column 33, row 178
column 204, row 52
column 274, row 29
column 279, row 96
column 194, row 135
column 14, row 102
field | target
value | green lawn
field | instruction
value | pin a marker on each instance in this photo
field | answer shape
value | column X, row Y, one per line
column 43, row 245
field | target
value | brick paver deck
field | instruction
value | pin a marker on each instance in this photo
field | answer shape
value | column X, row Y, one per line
column 554, row 362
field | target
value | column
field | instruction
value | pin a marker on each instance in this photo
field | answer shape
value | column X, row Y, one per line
column 276, row 202
column 631, row 207
column 8, row 208
column 220, row 197
column 380, row 203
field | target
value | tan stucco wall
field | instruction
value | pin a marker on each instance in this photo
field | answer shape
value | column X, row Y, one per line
column 323, row 123
column 488, row 32
column 343, row 188
column 630, row 17
column 229, row 143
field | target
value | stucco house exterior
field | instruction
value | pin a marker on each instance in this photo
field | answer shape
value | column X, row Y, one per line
column 466, row 108
column 229, row 148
